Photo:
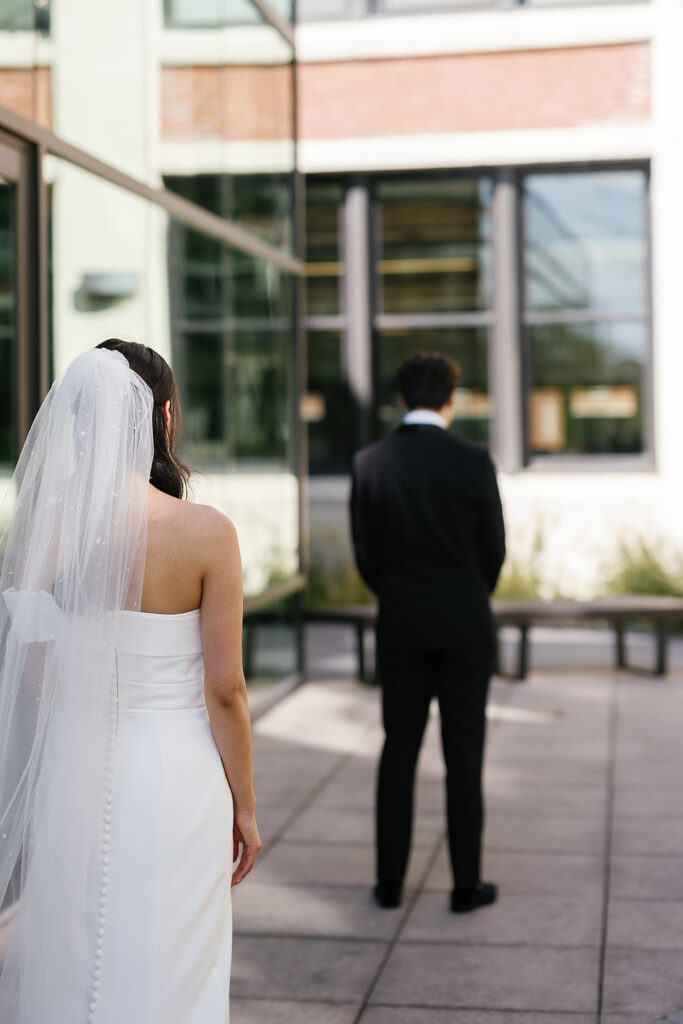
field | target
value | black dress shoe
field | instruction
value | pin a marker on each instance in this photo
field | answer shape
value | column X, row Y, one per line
column 465, row 900
column 388, row 896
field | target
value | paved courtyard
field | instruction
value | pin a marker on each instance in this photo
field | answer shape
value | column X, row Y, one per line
column 585, row 838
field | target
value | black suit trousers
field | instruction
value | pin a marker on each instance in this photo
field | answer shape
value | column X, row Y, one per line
column 409, row 679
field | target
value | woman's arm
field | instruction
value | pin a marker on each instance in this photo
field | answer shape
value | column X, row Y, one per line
column 225, row 690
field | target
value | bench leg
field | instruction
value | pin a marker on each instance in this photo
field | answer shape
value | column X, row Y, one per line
column 523, row 660
column 662, row 644
column 620, row 647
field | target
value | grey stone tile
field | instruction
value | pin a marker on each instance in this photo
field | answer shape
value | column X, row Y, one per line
column 265, row 1011
column 540, row 874
column 271, row 818
column 650, row 802
column 648, row 835
column 645, row 924
column 511, row 977
column 329, row 864
column 559, row 801
column 312, row 910
column 326, row 825
column 344, row 792
column 415, row 1015
column 643, row 772
column 527, row 832
column 554, row 770
column 303, row 969
column 657, row 878
column 644, row 981
column 534, row 920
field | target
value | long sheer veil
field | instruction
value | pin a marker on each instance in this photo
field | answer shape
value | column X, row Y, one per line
column 72, row 557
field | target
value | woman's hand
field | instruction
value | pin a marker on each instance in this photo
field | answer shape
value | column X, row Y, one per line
column 245, row 831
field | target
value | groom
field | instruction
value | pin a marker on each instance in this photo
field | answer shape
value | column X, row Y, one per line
column 429, row 540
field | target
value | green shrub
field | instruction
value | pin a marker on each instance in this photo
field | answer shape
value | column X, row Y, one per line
column 638, row 569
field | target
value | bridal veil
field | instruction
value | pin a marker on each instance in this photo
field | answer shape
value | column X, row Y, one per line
column 72, row 556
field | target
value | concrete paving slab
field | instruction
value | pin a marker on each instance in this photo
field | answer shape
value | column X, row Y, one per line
column 292, row 968
column 342, row 864
column 646, row 924
column 561, row 834
column 277, row 1011
column 644, row 878
column 533, row 920
column 540, row 874
column 489, row 977
column 581, row 801
column 650, row 802
column 342, row 793
column 415, row 1015
column 325, row 825
column 312, row 910
column 648, row 982
column 658, row 836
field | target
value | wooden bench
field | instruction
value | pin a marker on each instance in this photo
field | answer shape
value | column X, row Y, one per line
column 620, row 612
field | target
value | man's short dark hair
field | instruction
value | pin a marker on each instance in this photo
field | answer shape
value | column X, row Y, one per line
column 426, row 380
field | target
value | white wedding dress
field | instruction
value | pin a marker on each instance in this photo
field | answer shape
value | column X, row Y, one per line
column 159, row 932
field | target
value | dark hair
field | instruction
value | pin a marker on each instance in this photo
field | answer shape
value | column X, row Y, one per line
column 426, row 380
column 168, row 473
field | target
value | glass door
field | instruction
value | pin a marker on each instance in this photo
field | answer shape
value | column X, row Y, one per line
column 8, row 328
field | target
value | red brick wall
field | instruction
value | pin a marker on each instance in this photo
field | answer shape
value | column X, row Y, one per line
column 27, row 92
column 475, row 92
column 227, row 102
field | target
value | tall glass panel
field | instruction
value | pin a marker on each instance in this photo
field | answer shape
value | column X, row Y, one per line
column 587, row 388
column 435, row 245
column 328, row 404
column 585, row 241
column 469, row 348
column 123, row 268
column 324, row 256
column 227, row 115
column 586, row 311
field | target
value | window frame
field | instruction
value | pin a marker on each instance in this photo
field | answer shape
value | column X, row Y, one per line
column 506, row 320
column 644, row 461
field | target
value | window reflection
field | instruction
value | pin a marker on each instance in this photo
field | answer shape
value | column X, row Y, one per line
column 218, row 13
column 328, row 405
column 435, row 245
column 585, row 240
column 324, row 266
column 25, row 16
column 587, row 388
column 469, row 348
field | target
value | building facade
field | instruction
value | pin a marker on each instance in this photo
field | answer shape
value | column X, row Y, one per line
column 501, row 181
column 148, row 191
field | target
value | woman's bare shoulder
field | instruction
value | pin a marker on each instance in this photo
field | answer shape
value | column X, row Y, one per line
column 212, row 529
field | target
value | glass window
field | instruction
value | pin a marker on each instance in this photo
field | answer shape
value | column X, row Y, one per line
column 321, row 10
column 469, row 348
column 263, row 203
column 324, row 260
column 586, row 394
column 218, row 13
column 586, row 251
column 25, row 16
column 585, row 241
column 122, row 267
column 327, row 404
column 435, row 249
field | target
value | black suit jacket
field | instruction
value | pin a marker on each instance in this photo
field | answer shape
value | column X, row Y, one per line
column 429, row 538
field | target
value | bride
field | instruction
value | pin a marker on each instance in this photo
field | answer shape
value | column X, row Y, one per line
column 125, row 748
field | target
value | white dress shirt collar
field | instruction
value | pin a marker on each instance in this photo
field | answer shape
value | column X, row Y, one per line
column 430, row 416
